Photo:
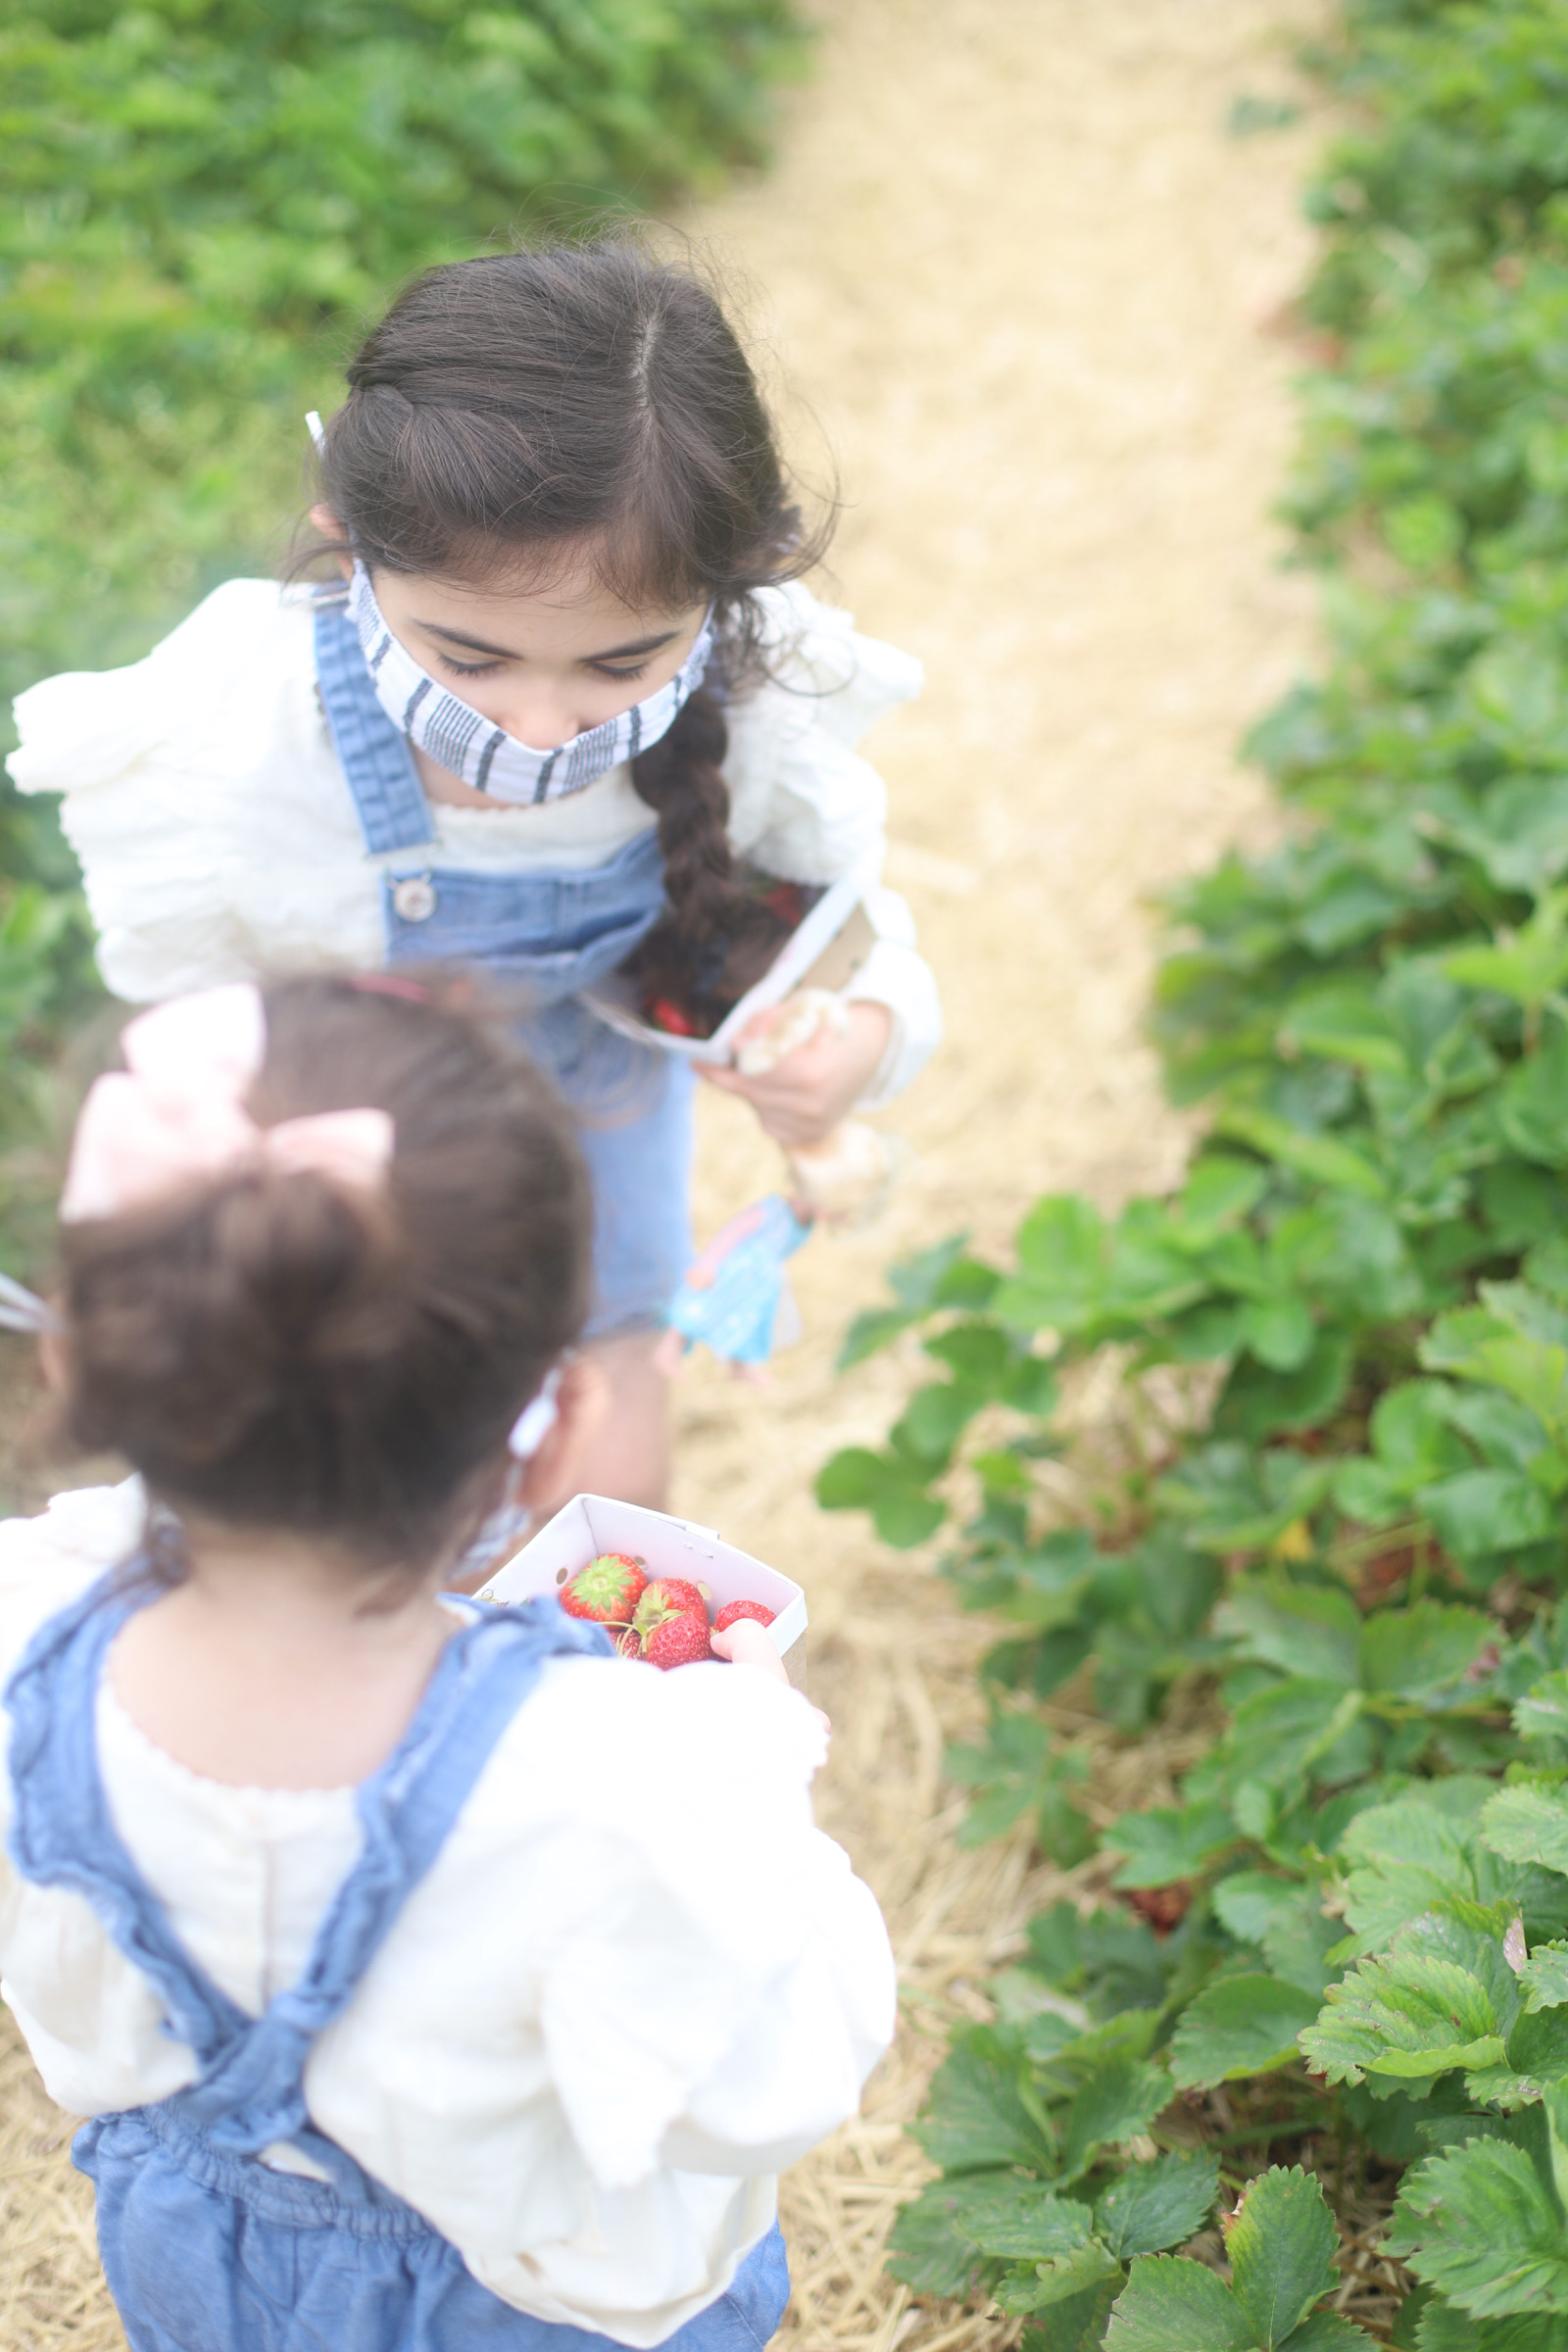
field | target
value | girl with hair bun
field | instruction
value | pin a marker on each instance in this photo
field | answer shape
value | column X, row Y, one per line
column 566, row 705
column 430, row 1978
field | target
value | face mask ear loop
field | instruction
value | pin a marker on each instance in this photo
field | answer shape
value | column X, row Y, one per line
column 536, row 1420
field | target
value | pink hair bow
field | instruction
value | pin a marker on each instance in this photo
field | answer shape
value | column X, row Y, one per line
column 176, row 1114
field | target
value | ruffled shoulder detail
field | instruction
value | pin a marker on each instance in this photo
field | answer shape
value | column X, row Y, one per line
column 47, row 1560
column 86, row 728
column 816, row 654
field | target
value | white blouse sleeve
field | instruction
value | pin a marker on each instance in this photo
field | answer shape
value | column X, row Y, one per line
column 47, row 1560
column 202, row 794
column 805, row 805
column 93, row 2023
column 625, row 1813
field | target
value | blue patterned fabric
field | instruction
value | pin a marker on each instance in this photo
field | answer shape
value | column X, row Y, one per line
column 205, row 2248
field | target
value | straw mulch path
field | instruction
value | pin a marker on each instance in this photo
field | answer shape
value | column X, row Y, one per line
column 1029, row 292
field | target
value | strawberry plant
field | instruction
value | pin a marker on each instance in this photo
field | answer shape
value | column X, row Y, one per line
column 1342, row 1507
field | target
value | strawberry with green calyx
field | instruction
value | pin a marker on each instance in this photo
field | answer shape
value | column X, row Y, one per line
column 607, row 1591
column 669, row 1596
column 678, row 1640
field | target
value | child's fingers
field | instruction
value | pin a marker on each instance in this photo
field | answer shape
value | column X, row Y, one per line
column 748, row 1644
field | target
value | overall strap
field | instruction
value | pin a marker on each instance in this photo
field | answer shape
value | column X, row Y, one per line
column 61, row 1832
column 250, row 2092
column 375, row 758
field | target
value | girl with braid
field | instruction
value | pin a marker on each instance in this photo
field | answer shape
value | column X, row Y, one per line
column 562, row 703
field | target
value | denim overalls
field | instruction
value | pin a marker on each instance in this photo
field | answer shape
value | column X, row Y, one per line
column 205, row 2248
column 553, row 934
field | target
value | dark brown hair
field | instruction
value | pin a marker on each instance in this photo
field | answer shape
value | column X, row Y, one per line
column 510, row 409
column 276, row 1351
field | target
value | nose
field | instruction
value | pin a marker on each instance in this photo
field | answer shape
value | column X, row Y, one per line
column 540, row 717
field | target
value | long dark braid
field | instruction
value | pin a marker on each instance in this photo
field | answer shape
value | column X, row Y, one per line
column 719, row 934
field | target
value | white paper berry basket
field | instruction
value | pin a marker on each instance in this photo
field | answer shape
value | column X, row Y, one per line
column 825, row 949
column 594, row 1522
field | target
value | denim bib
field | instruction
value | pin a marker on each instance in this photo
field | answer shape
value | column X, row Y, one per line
column 205, row 2248
column 550, row 934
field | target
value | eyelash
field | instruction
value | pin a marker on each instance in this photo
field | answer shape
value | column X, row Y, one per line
column 482, row 669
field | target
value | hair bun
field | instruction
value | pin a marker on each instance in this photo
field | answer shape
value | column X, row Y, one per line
column 277, row 1351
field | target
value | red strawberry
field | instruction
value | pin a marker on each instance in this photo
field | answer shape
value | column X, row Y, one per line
column 629, row 1644
column 670, row 1017
column 678, row 1640
column 734, row 1610
column 667, row 1596
column 607, row 1591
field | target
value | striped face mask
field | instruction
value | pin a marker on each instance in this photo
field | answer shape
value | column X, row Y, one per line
column 470, row 747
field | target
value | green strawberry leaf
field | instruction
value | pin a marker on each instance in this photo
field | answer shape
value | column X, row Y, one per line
column 1328, row 2331
column 1248, row 1901
column 1280, row 1733
column 1307, row 1630
column 1022, row 2220
column 924, row 2248
column 892, row 1487
column 1154, row 2206
column 1281, row 2245
column 1417, row 1852
column 1484, row 1511
column 1542, row 1712
column 1171, row 2304
column 1543, row 1979
column 1528, row 1823
column 1432, row 2002
column 1481, row 2226
column 975, row 2119
column 1417, row 1651
column 1238, row 2026
column 1167, row 1842
column 1060, row 2278
column 1075, row 2322
column 1443, row 2328
column 1116, row 2103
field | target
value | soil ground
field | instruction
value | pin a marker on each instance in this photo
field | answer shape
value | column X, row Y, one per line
column 1026, row 287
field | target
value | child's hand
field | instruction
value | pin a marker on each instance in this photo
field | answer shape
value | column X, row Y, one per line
column 746, row 1644
column 805, row 1097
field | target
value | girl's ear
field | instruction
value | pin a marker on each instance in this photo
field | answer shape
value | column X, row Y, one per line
column 549, row 1475
column 328, row 524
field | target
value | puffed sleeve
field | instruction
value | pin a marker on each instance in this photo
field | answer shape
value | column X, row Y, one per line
column 201, row 793
column 94, row 2025
column 668, row 1956
column 45, row 1562
column 804, row 804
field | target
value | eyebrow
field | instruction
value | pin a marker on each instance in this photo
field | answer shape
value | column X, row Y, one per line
column 502, row 652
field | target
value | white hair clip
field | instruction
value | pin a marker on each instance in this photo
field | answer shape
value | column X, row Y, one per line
column 312, row 417
column 536, row 1420
column 24, row 1310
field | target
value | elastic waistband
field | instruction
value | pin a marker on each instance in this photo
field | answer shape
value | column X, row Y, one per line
column 285, row 2198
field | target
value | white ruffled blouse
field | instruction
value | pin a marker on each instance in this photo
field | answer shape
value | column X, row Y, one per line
column 219, row 839
column 635, row 1837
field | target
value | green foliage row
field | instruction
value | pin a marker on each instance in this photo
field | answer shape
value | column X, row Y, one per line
column 202, row 202
column 1348, row 1935
column 201, row 199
